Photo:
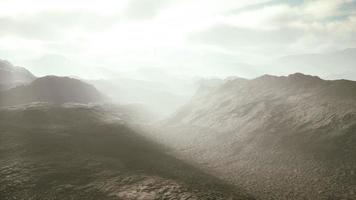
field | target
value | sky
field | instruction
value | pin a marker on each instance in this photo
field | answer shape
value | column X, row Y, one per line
column 196, row 38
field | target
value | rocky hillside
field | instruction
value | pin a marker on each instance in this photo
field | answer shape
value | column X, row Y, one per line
column 11, row 76
column 289, row 137
column 232, row 104
column 87, row 152
column 51, row 89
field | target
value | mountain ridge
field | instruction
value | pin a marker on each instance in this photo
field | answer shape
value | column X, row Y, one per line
column 276, row 136
column 330, row 65
column 11, row 76
column 52, row 89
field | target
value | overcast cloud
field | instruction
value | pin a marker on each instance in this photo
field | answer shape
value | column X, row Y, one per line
column 182, row 37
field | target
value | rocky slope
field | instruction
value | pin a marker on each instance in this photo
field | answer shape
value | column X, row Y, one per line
column 287, row 137
column 90, row 152
column 11, row 76
column 51, row 89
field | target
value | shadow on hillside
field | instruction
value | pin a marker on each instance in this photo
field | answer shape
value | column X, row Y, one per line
column 45, row 155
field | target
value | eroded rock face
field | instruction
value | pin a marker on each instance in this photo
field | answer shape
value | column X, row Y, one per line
column 279, row 137
column 77, row 152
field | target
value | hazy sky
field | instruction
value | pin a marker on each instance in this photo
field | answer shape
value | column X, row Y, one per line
column 185, row 37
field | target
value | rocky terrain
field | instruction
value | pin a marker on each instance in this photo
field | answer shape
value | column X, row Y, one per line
column 76, row 151
column 289, row 137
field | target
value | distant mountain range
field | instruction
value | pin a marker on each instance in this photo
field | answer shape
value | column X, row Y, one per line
column 333, row 65
column 287, row 137
column 19, row 86
column 11, row 76
column 159, row 97
column 52, row 89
